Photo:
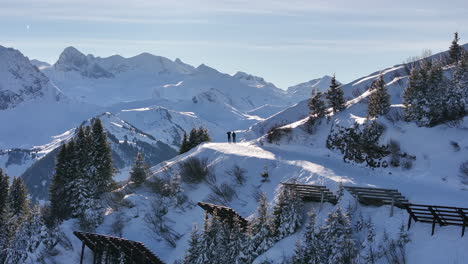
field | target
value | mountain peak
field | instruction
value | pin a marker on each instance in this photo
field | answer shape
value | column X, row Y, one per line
column 72, row 59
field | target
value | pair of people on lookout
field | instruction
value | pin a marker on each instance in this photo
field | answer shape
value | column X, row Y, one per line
column 229, row 133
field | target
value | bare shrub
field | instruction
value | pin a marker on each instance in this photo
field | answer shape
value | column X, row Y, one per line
column 257, row 194
column 237, row 173
column 156, row 221
column 310, row 126
column 407, row 164
column 118, row 225
column 222, row 194
column 165, row 186
column 275, row 133
column 194, row 170
column 395, row 152
column 455, row 146
column 464, row 172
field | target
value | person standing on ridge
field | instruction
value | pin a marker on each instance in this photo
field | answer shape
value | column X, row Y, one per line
column 229, row 136
column 233, row 136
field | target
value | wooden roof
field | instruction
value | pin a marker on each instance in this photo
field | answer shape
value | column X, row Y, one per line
column 436, row 214
column 223, row 212
column 313, row 193
column 137, row 252
column 377, row 196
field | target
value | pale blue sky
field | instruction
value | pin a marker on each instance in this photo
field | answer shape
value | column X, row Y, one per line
column 286, row 41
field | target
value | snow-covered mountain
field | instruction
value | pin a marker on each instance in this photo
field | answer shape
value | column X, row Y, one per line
column 126, row 141
column 115, row 79
column 431, row 175
column 21, row 82
column 304, row 90
column 32, row 108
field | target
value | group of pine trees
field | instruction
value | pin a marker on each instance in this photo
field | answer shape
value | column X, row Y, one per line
column 195, row 138
column 335, row 98
column 22, row 227
column 430, row 97
column 83, row 172
column 226, row 241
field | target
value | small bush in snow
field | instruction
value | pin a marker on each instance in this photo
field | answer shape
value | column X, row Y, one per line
column 407, row 164
column 238, row 174
column 194, row 170
column 156, row 221
column 222, row 194
column 464, row 172
column 310, row 126
column 117, row 226
column 265, row 175
column 275, row 133
column 455, row 146
column 394, row 148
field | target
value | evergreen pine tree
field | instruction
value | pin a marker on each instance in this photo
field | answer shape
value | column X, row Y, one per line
column 460, row 78
column 4, row 212
column 335, row 96
column 193, row 138
column 379, row 100
column 193, row 252
column 184, row 146
column 455, row 49
column 286, row 213
column 31, row 240
column 317, row 106
column 102, row 159
column 4, row 190
column 306, row 250
column 139, row 171
column 202, row 135
column 18, row 198
column 57, row 192
column 339, row 246
column 261, row 239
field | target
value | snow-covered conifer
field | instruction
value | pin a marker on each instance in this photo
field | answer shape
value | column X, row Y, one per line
column 335, row 96
column 102, row 158
column 139, row 171
column 18, row 198
column 184, row 146
column 379, row 100
column 4, row 190
column 193, row 251
column 455, row 49
column 261, row 238
column 286, row 215
column 317, row 106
